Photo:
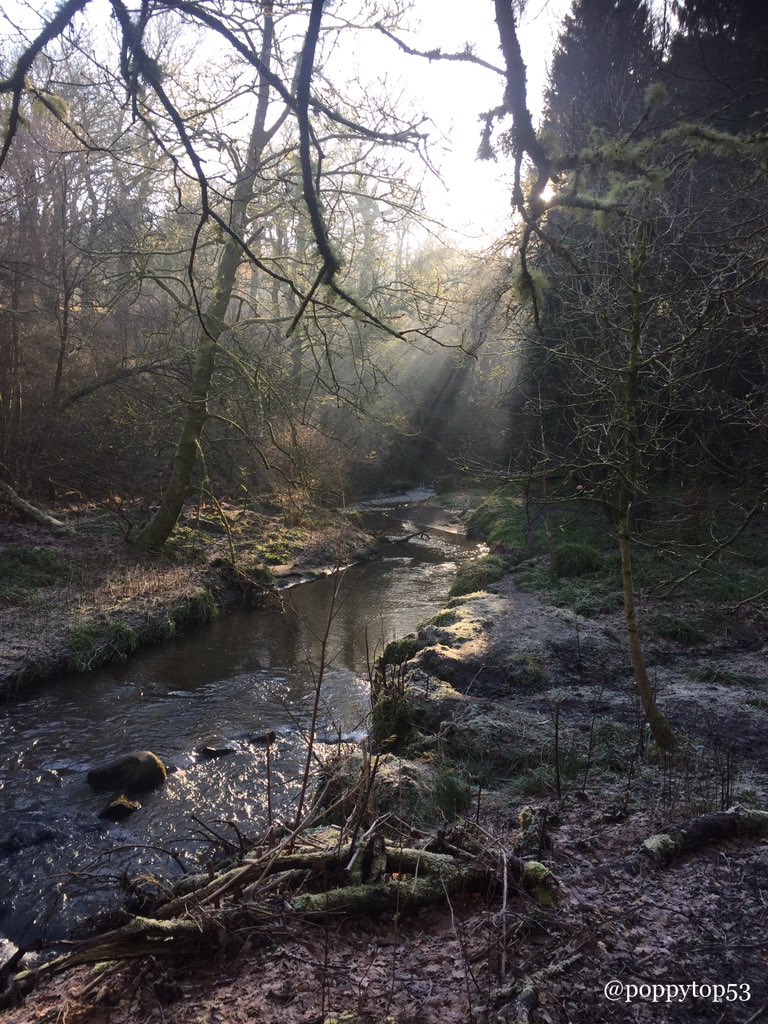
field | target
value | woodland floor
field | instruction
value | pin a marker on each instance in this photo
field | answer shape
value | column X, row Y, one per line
column 495, row 672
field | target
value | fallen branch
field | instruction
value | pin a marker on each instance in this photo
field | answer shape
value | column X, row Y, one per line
column 528, row 991
column 661, row 849
column 36, row 515
column 140, row 937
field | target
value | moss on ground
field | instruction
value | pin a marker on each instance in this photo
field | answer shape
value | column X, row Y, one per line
column 477, row 575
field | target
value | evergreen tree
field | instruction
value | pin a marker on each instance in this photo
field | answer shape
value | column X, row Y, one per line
column 602, row 65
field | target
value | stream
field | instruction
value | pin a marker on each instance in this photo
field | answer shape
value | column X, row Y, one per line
column 241, row 676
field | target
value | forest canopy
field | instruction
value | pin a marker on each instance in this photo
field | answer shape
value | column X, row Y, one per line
column 217, row 274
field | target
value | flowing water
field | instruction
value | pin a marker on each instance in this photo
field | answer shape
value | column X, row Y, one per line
column 243, row 675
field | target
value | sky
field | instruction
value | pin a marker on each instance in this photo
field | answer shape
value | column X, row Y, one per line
column 469, row 196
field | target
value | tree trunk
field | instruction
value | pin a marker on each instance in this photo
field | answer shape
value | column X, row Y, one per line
column 660, row 727
column 159, row 528
column 213, row 324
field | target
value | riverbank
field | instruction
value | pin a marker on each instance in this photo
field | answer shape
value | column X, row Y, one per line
column 74, row 603
column 512, row 733
column 511, row 699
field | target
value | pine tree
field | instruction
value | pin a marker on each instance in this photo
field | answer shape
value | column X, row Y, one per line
column 602, row 65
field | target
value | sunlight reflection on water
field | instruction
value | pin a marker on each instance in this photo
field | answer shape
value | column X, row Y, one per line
column 244, row 675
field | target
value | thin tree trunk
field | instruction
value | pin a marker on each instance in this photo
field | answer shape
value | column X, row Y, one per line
column 660, row 727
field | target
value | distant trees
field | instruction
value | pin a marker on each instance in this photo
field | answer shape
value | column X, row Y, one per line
column 72, row 218
column 235, row 291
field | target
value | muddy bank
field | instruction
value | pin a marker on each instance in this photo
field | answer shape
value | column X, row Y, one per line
column 74, row 603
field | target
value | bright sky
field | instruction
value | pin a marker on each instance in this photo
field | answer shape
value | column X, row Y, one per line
column 473, row 196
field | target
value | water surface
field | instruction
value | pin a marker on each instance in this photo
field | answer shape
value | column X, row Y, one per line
column 241, row 676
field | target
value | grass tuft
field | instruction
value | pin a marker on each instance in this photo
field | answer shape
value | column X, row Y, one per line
column 25, row 569
column 477, row 575
column 575, row 558
column 671, row 627
column 93, row 644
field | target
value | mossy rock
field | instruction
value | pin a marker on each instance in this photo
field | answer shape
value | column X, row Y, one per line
column 132, row 773
column 120, row 808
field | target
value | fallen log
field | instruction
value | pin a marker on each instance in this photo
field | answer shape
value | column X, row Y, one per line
column 142, row 936
column 661, row 849
column 415, row 878
column 31, row 512
column 435, row 876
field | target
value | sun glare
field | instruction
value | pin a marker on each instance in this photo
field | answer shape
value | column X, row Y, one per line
column 547, row 194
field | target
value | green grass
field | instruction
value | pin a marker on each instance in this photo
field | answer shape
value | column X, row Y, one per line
column 576, row 558
column 717, row 674
column 281, row 546
column 477, row 575
column 451, row 794
column 672, row 627
column 500, row 519
column 23, row 570
column 93, row 643
column 595, row 594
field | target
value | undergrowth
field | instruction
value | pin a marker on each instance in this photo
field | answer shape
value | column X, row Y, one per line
column 23, row 570
column 675, row 556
